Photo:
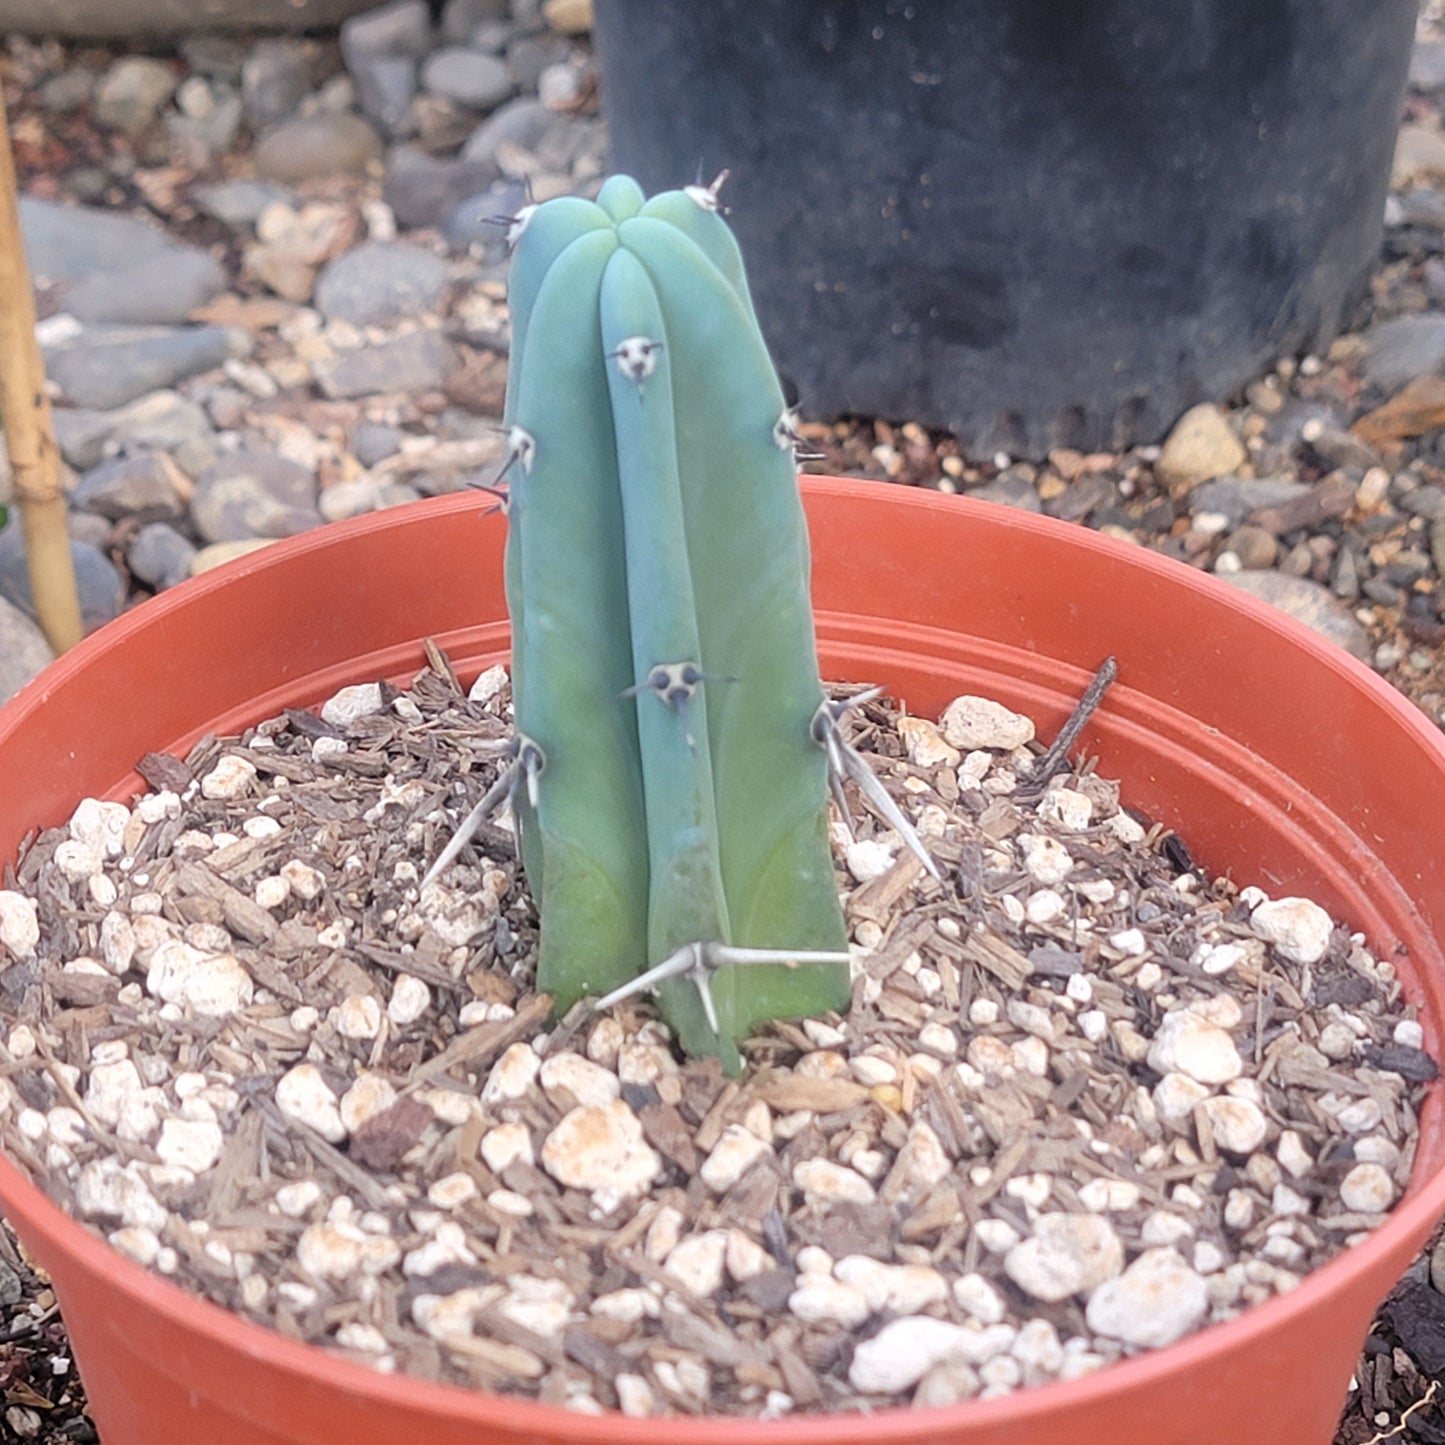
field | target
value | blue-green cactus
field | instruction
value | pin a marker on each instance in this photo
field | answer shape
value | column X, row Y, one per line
column 673, row 743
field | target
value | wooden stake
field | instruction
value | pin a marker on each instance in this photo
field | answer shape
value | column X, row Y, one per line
column 29, row 434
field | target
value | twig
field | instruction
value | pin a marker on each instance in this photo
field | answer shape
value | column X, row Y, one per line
column 29, row 434
column 1056, row 755
column 1399, row 1429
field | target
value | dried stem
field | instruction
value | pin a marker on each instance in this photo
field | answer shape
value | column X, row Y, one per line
column 29, row 434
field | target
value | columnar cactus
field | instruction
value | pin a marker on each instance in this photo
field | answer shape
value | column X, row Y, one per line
column 673, row 742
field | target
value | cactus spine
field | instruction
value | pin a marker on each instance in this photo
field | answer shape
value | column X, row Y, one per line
column 672, row 769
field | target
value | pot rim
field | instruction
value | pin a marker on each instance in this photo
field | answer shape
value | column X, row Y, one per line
column 1419, row 1208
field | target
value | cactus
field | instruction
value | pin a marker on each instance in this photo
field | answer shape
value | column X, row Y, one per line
column 673, row 743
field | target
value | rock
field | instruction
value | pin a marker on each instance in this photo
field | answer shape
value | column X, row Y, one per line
column 1156, row 1301
column 529, row 55
column 140, row 484
column 523, row 123
column 568, row 17
column 164, row 421
column 1427, row 66
column 107, row 366
column 372, row 442
column 102, row 593
column 1238, row 1125
column 969, row 723
column 1237, row 498
column 380, row 282
column 1253, row 547
column 1067, row 1254
column 469, row 77
column 23, row 649
column 1200, row 448
column 200, row 136
column 381, row 49
column 275, row 79
column 1419, row 156
column 131, row 94
column 418, row 361
column 1299, row 928
column 308, row 147
column 1186, row 1044
column 1367, row 1189
column 424, row 190
column 254, row 494
column 1418, row 409
column 238, row 203
column 19, row 924
column 461, row 17
column 159, row 287
column 1307, row 602
column 601, row 1150
column 905, row 1350
column 1010, row 490
column 67, row 91
column 1403, row 349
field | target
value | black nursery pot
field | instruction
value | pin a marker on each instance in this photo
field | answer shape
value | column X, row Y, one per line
column 1034, row 223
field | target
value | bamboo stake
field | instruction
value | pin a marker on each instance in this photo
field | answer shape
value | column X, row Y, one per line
column 29, row 434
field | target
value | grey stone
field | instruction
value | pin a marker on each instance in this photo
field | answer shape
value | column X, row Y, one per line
column 372, row 442
column 1309, row 603
column 1427, row 66
column 310, row 146
column 469, row 77
column 159, row 555
column 252, row 493
column 473, row 224
column 423, row 190
column 107, row 366
column 238, row 203
column 98, row 584
column 275, row 79
column 529, row 55
column 1010, row 489
column 164, row 421
column 132, row 92
column 381, row 49
column 1423, row 206
column 380, row 282
column 401, row 28
column 88, row 527
column 1427, row 501
column 204, row 136
column 142, row 483
column 385, row 88
column 156, row 288
column 1437, row 544
column 461, row 17
column 1402, row 349
column 219, row 56
column 67, row 91
column 109, row 267
column 1345, row 579
column 23, row 650
column 1237, row 497
column 418, row 361
column 524, row 122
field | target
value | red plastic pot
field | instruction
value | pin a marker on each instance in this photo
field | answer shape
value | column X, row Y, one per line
column 1276, row 756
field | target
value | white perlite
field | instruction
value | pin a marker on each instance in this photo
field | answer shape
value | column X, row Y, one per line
column 1238, row 1126
column 193, row 1144
column 735, row 1152
column 601, row 1150
column 824, row 1182
column 569, row 1079
column 1156, row 1301
column 19, row 923
column 696, row 1262
column 1367, row 1189
column 1185, row 1043
column 304, row 1097
column 353, row 703
column 1298, row 928
column 232, row 777
column 979, row 722
column 925, row 744
column 1067, row 1254
column 904, row 1351
column 1046, row 859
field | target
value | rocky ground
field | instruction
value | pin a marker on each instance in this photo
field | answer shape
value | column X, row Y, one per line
column 272, row 296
